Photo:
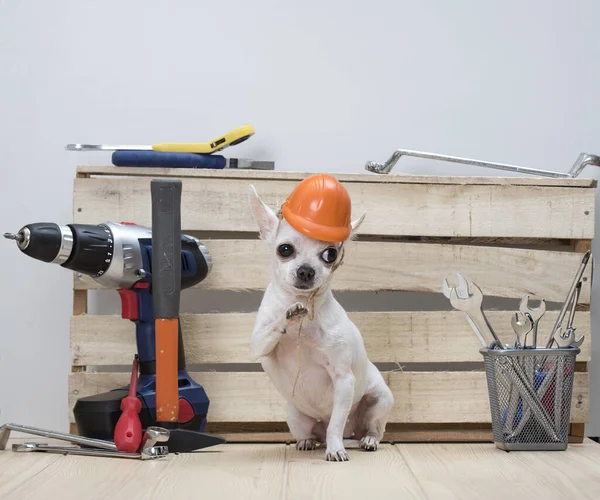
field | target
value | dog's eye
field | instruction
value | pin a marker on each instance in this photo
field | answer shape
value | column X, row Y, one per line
column 285, row 250
column 329, row 255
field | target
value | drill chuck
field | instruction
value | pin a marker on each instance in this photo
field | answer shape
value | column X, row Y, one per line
column 83, row 248
column 111, row 253
column 45, row 241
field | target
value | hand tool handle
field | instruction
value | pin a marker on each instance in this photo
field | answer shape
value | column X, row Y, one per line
column 128, row 431
column 230, row 138
column 166, row 288
column 167, row 160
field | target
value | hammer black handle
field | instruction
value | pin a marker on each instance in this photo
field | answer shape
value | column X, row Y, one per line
column 166, row 247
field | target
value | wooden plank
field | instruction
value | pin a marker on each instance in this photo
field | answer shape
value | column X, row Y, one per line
column 421, row 397
column 216, row 204
column 277, row 432
column 79, row 302
column 576, row 433
column 91, row 170
column 476, row 471
column 390, row 337
column 370, row 266
column 272, row 432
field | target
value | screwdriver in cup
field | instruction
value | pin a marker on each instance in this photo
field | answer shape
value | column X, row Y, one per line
column 128, row 431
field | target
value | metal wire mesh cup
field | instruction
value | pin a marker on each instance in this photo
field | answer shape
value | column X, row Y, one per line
column 530, row 393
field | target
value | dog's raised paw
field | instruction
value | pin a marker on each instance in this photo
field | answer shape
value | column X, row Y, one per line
column 369, row 443
column 306, row 444
column 296, row 311
column 337, row 456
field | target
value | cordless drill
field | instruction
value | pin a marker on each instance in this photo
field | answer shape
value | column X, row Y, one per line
column 119, row 256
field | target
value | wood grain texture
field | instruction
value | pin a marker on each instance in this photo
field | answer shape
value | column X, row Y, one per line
column 71, row 477
column 109, row 170
column 276, row 471
column 421, row 397
column 476, row 471
column 390, row 337
column 370, row 266
column 235, row 471
column 310, row 476
column 273, row 432
column 80, row 302
column 17, row 469
column 393, row 208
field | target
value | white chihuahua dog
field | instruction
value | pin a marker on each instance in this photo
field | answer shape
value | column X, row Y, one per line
column 333, row 391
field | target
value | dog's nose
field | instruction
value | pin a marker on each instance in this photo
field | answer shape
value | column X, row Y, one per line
column 305, row 273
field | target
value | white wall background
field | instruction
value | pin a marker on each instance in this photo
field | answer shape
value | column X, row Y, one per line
column 327, row 86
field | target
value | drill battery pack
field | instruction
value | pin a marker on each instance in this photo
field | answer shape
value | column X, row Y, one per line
column 96, row 416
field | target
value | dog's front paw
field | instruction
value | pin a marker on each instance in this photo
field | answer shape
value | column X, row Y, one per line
column 306, row 444
column 369, row 443
column 340, row 455
column 296, row 311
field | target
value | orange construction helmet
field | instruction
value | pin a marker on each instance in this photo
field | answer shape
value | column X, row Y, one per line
column 320, row 208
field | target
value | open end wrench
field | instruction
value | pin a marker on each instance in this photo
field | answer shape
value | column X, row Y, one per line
column 471, row 306
column 521, row 327
column 534, row 314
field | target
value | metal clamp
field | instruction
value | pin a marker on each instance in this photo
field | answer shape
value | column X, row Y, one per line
column 583, row 160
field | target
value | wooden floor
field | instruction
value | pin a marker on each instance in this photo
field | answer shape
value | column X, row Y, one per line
column 277, row 471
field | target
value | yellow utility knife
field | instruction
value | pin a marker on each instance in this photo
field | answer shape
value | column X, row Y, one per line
column 231, row 138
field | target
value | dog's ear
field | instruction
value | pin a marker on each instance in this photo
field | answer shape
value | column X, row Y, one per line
column 265, row 217
column 356, row 224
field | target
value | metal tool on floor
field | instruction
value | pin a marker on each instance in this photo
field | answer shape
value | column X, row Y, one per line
column 230, row 138
column 145, row 454
column 582, row 161
column 5, row 430
column 471, row 307
column 151, row 448
column 166, row 228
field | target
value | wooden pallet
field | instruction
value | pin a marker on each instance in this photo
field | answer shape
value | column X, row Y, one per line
column 510, row 235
